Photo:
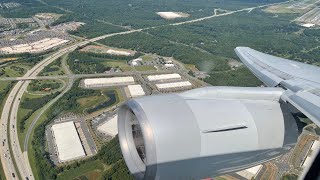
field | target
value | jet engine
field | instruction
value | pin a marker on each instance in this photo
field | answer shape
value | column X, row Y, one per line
column 204, row 132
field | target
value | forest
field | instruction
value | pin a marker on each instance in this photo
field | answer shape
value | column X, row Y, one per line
column 87, row 62
column 219, row 36
column 142, row 13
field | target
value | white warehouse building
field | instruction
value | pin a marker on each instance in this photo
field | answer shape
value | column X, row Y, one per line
column 136, row 90
column 174, row 85
column 250, row 173
column 104, row 82
column 164, row 77
column 68, row 144
column 110, row 127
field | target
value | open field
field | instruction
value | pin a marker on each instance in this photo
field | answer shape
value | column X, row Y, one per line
column 304, row 4
column 145, row 68
column 43, row 87
column 292, row 7
column 172, row 15
column 191, row 67
column 147, row 57
column 311, row 17
column 48, row 15
column 13, row 70
column 87, row 63
column 107, row 50
column 90, row 101
column 87, row 170
column 55, row 68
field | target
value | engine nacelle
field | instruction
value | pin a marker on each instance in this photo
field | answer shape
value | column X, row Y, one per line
column 204, row 132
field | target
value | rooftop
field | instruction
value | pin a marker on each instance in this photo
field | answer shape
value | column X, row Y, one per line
column 68, row 142
column 110, row 127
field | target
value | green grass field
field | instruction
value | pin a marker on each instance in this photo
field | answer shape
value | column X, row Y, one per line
column 123, row 65
column 22, row 112
column 90, row 101
column 37, row 87
column 147, row 57
column 88, row 170
column 54, row 69
column 14, row 70
column 145, row 68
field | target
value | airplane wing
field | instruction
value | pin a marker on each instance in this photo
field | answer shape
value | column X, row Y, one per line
column 301, row 81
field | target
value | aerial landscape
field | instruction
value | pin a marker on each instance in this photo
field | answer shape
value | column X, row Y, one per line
column 68, row 66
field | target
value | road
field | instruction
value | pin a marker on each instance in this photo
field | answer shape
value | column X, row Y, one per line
column 9, row 114
column 34, row 121
column 73, row 76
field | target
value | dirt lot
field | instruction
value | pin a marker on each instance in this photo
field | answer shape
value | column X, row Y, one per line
column 7, row 59
column 107, row 50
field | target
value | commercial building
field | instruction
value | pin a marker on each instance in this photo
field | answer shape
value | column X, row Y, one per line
column 307, row 162
column 315, row 146
column 68, row 144
column 110, row 127
column 251, row 172
column 169, row 64
column 164, row 77
column 34, row 47
column 136, row 90
column 104, row 82
column 135, row 62
column 174, row 86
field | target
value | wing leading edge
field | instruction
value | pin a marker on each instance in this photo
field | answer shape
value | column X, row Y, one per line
column 300, row 81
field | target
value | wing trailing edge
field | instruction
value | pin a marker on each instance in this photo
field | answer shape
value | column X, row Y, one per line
column 300, row 81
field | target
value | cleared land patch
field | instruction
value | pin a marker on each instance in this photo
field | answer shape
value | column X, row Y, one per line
column 172, row 15
column 292, row 7
column 2, row 60
column 107, row 50
column 311, row 17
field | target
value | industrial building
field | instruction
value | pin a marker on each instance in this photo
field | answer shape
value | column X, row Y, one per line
column 110, row 127
column 136, row 90
column 174, row 86
column 68, row 144
column 105, row 82
column 162, row 77
column 34, row 47
column 314, row 147
column 169, row 64
column 136, row 62
column 250, row 173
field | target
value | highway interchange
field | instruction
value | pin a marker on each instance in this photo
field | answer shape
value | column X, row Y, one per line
column 15, row 162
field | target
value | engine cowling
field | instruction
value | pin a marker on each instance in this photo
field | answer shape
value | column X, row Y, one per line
column 204, row 132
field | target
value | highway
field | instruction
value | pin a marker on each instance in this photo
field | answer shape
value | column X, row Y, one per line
column 9, row 114
column 34, row 121
column 74, row 76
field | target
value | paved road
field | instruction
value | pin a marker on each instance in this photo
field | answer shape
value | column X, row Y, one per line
column 6, row 158
column 34, row 121
column 9, row 117
column 73, row 76
column 12, row 102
